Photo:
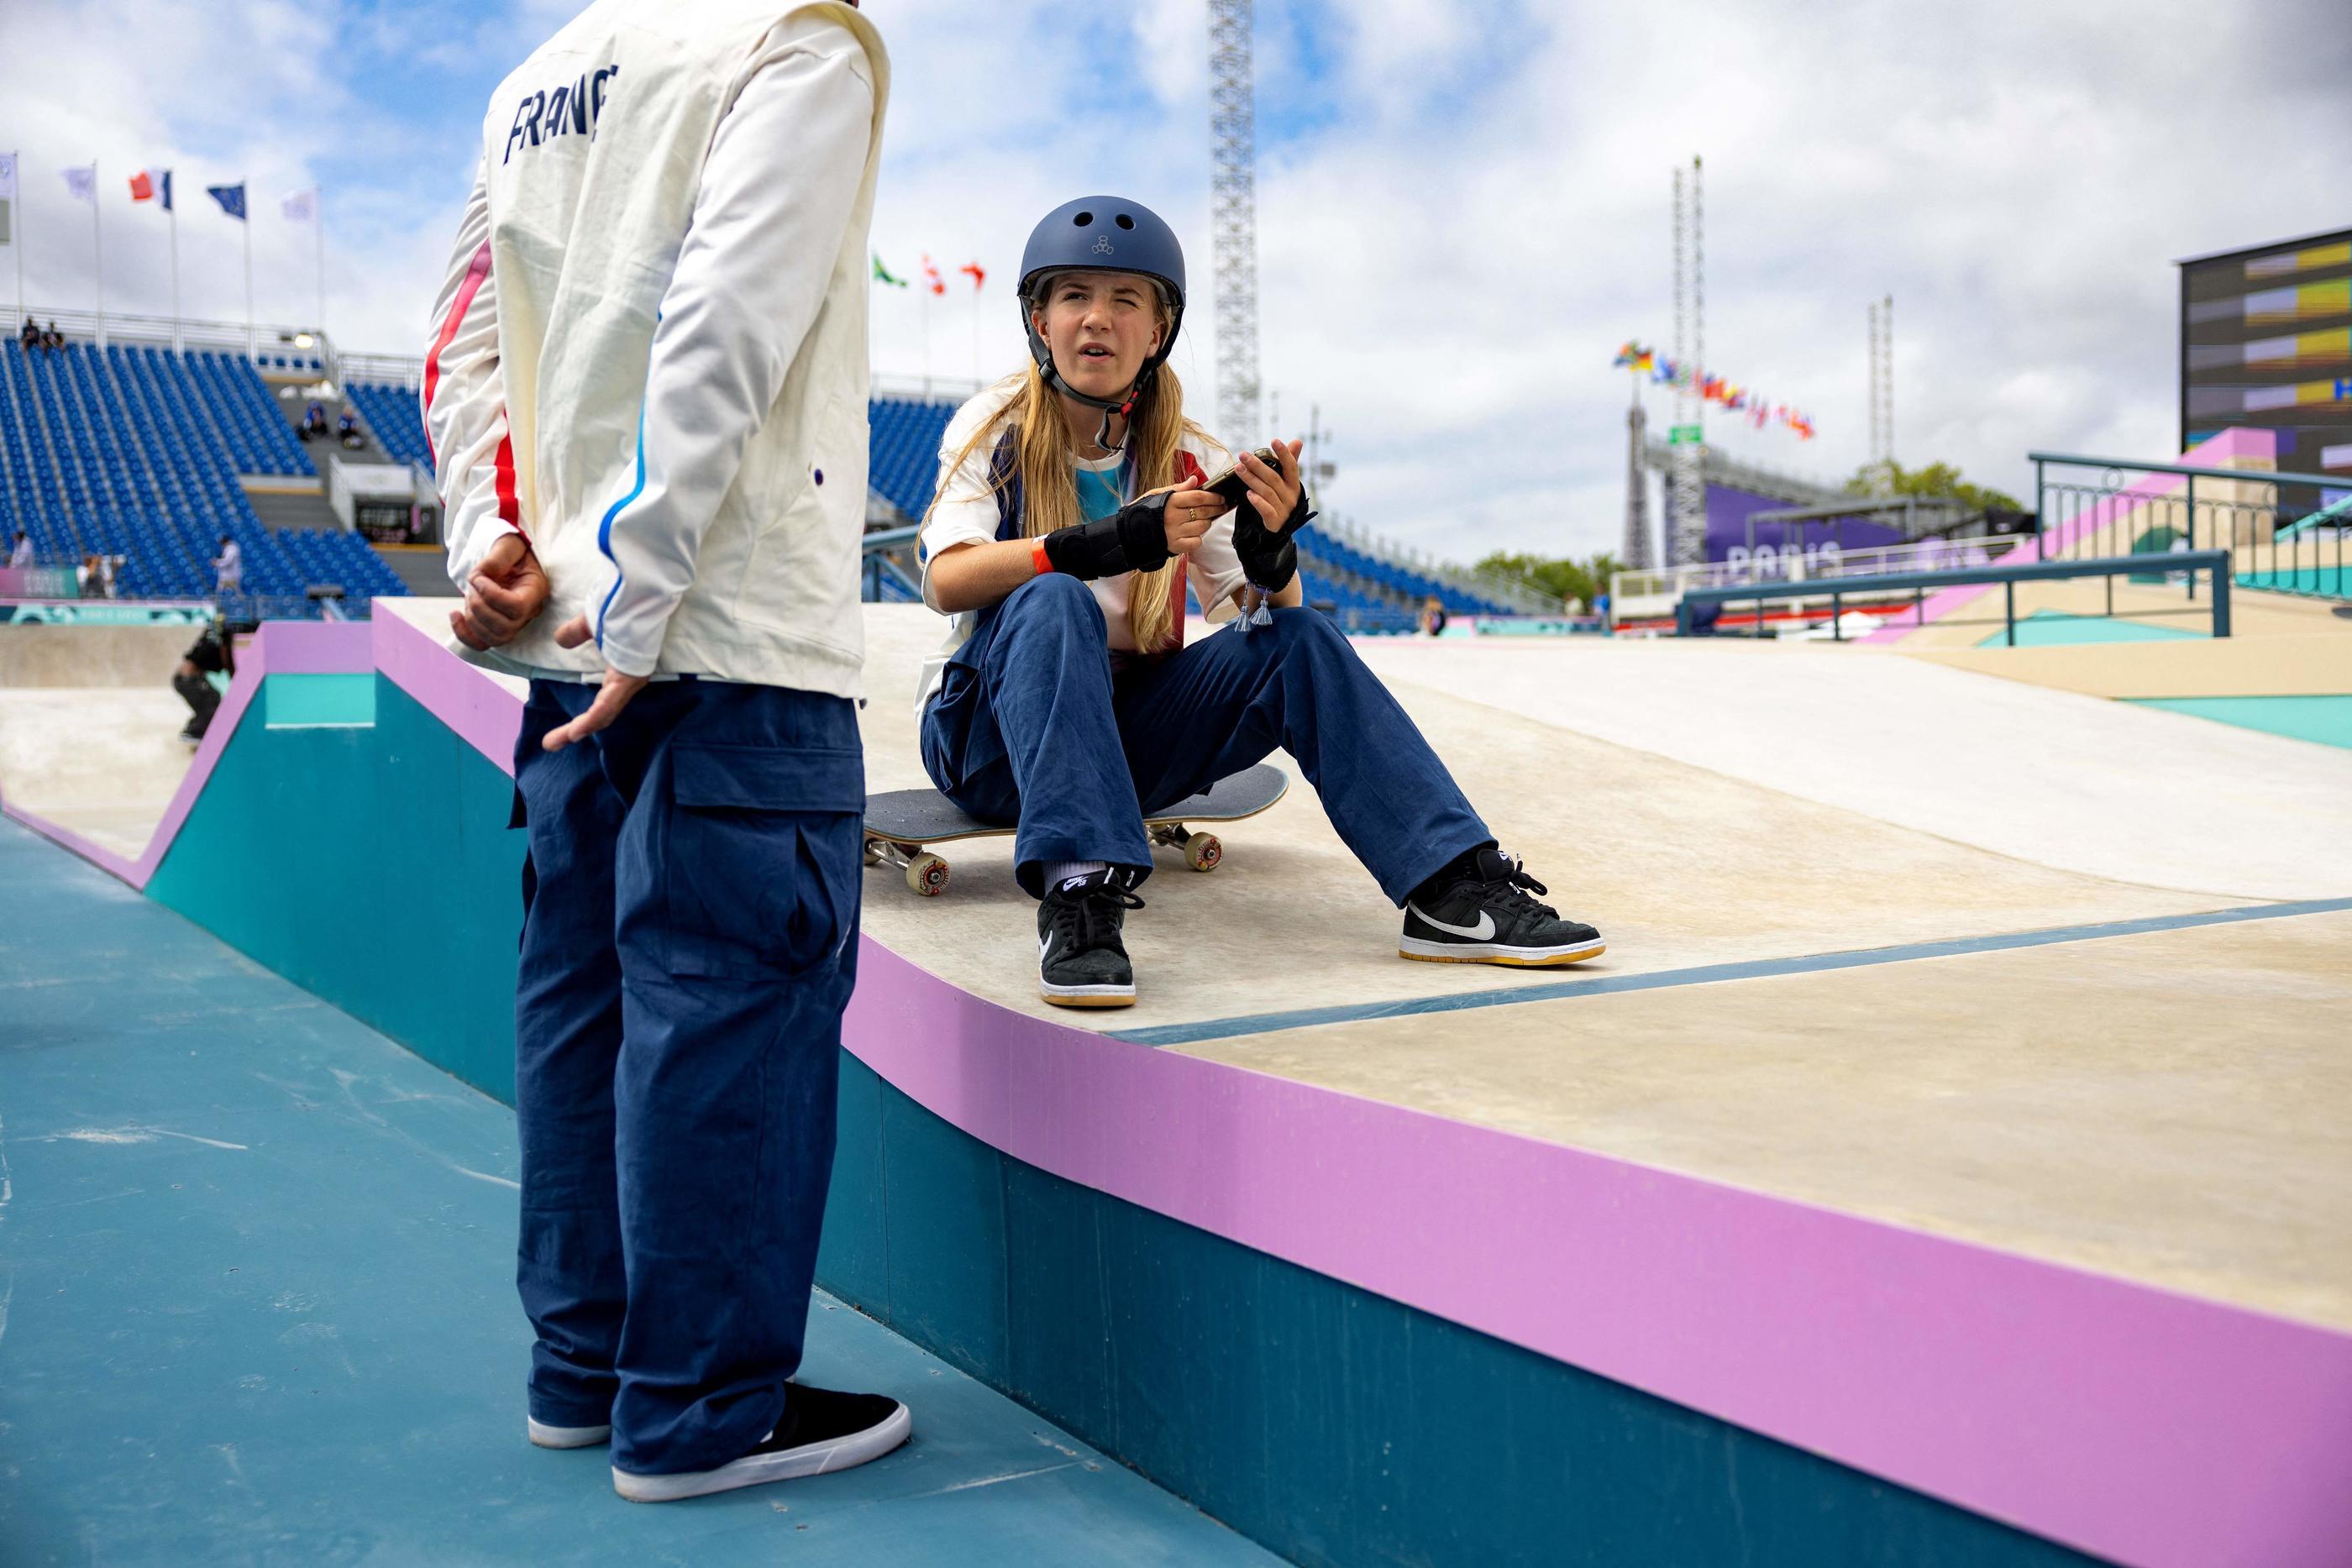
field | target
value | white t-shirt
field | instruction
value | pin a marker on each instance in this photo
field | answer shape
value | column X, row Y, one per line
column 966, row 513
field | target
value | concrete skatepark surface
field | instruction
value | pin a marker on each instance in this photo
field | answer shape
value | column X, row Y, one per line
column 1706, row 804
column 1809, row 1009
column 89, row 726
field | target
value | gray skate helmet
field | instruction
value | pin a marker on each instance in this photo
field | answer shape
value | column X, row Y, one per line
column 1103, row 233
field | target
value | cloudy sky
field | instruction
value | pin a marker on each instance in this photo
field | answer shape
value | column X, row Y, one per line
column 1463, row 208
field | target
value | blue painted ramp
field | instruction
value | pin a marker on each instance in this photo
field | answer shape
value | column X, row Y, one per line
column 257, row 1306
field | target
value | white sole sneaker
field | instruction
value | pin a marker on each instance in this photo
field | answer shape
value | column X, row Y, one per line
column 547, row 1437
column 786, row 1464
column 1429, row 952
column 1086, row 996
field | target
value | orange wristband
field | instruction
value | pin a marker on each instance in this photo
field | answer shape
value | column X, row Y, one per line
column 1038, row 557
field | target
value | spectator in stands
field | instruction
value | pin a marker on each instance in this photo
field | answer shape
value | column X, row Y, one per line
column 1432, row 616
column 314, row 420
column 1070, row 503
column 347, row 429
column 684, row 964
column 213, row 653
column 228, row 567
column 30, row 337
column 52, row 338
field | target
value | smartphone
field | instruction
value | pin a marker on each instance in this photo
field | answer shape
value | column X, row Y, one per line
column 1230, row 486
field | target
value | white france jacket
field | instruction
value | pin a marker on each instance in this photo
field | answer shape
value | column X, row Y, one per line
column 649, row 353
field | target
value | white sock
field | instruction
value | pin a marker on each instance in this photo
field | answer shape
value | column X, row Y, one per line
column 1059, row 872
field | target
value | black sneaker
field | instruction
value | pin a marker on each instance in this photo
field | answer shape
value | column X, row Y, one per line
column 821, row 1432
column 1486, row 916
column 1081, row 962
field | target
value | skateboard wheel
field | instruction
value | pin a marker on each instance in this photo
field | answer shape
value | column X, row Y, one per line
column 1203, row 851
column 927, row 875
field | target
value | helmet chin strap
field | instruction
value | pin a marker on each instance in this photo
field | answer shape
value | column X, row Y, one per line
column 1120, row 409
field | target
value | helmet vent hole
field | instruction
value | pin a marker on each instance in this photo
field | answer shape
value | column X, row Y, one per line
column 1124, row 221
column 1082, row 220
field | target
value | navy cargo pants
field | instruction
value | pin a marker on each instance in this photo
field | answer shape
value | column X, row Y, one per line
column 1031, row 727
column 689, row 940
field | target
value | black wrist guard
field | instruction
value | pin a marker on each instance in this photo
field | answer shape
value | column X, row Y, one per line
column 1133, row 538
column 1269, row 559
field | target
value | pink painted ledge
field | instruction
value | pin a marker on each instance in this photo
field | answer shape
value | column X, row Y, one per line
column 2237, row 444
column 2132, row 1422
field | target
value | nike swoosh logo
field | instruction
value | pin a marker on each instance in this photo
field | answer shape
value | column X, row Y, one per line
column 1044, row 945
column 1481, row 932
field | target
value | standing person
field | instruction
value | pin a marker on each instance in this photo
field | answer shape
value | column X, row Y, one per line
column 1068, row 702
column 228, row 569
column 646, row 386
column 20, row 555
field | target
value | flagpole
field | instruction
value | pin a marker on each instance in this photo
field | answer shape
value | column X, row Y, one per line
column 244, row 189
column 97, row 253
column 16, row 234
column 318, row 225
column 172, row 211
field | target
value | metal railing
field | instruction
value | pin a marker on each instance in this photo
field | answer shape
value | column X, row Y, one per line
column 185, row 332
column 2214, row 563
column 2279, row 529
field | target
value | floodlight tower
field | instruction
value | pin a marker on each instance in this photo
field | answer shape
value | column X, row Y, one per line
column 1687, row 523
column 1233, row 218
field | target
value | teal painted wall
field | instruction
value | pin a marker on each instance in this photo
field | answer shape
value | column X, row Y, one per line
column 373, row 865
column 370, row 864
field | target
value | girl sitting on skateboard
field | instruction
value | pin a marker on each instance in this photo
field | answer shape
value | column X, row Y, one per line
column 1069, row 521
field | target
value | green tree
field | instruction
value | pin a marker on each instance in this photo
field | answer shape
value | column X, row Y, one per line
column 1890, row 478
column 1562, row 577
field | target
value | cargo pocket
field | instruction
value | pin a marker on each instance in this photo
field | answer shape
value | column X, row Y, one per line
column 762, row 875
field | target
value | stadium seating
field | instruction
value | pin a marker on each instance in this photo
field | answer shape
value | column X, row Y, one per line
column 135, row 451
column 391, row 413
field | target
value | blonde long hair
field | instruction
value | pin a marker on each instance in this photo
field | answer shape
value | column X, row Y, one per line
column 1044, row 445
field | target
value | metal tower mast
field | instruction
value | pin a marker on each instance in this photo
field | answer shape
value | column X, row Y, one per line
column 1687, row 522
column 1233, row 218
column 1635, row 554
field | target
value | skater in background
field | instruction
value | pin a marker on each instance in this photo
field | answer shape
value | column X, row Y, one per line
column 1069, row 523
column 213, row 653
column 648, row 376
column 1432, row 616
column 20, row 554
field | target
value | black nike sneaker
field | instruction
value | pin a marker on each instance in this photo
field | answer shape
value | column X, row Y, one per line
column 821, row 1432
column 1081, row 961
column 1483, row 914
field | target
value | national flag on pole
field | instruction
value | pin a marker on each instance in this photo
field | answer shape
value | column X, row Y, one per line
column 931, row 279
column 301, row 207
column 142, row 186
column 81, row 185
column 882, row 274
column 972, row 270
column 230, row 197
column 7, row 176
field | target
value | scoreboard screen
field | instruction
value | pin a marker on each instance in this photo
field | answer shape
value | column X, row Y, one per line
column 2266, row 341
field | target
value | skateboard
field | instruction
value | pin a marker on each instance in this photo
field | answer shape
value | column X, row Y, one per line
column 902, row 824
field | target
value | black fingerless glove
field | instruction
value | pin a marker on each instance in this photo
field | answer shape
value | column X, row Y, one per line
column 1269, row 559
column 1133, row 538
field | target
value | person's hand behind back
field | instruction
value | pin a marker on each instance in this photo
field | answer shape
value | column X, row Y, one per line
column 505, row 594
